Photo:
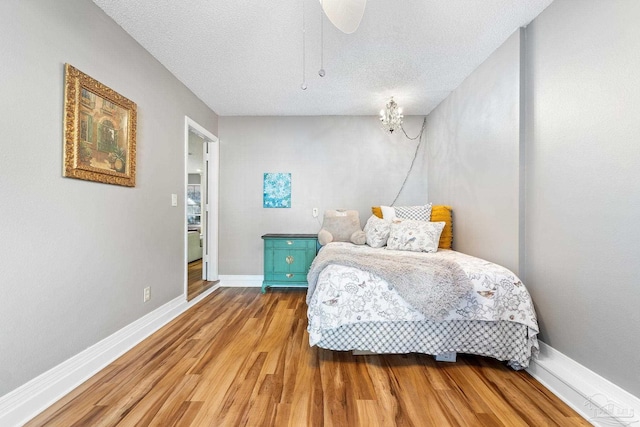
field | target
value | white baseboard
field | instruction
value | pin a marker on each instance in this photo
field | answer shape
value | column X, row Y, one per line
column 22, row 404
column 240, row 281
column 597, row 399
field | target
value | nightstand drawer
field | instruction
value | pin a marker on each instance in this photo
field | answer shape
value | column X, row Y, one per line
column 288, row 277
column 291, row 243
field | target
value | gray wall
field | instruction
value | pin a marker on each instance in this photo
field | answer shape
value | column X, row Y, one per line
column 583, row 182
column 581, row 241
column 474, row 157
column 75, row 255
column 335, row 162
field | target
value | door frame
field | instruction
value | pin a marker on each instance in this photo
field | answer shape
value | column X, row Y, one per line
column 211, row 188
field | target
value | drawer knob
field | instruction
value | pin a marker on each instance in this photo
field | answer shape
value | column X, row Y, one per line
column 289, row 275
column 289, row 259
column 289, row 242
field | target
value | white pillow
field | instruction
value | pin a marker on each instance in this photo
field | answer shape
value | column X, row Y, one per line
column 416, row 236
column 377, row 231
column 388, row 213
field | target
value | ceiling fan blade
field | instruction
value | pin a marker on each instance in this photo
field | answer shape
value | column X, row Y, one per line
column 344, row 14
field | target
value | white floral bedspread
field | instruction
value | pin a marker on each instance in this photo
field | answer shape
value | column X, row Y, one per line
column 346, row 295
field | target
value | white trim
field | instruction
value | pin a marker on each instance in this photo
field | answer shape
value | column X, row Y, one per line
column 598, row 400
column 213, row 191
column 211, row 228
column 25, row 402
column 241, row 281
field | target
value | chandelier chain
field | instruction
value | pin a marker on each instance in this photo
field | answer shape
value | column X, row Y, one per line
column 415, row 155
column 424, row 123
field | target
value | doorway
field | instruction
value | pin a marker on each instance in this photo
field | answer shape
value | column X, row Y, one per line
column 201, row 209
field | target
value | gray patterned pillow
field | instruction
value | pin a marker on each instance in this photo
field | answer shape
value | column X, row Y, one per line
column 417, row 213
column 416, row 236
column 377, row 231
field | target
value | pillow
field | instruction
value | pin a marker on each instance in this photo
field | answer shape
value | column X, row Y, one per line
column 388, row 213
column 377, row 231
column 438, row 213
column 418, row 213
column 415, row 236
column 443, row 213
column 341, row 226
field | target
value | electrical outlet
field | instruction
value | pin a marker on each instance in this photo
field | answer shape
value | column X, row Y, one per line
column 174, row 200
column 314, row 212
column 147, row 294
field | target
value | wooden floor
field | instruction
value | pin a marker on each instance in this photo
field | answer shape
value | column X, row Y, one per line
column 195, row 284
column 243, row 358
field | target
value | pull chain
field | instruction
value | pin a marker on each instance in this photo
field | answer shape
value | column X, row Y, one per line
column 303, row 86
column 321, row 73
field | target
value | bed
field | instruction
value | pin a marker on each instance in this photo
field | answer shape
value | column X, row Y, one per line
column 355, row 304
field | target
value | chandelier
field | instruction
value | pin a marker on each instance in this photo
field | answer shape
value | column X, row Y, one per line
column 391, row 116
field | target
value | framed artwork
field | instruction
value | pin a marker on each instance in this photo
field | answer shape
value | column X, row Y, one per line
column 277, row 190
column 99, row 131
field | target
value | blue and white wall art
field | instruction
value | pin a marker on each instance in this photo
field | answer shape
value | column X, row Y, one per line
column 277, row 190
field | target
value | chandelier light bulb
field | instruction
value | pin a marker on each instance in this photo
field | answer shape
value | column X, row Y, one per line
column 321, row 73
column 303, row 86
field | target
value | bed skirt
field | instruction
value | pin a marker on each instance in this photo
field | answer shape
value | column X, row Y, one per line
column 502, row 340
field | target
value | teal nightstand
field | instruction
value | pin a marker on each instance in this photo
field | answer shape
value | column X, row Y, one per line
column 287, row 258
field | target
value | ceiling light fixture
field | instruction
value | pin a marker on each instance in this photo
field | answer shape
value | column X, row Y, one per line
column 346, row 15
column 391, row 117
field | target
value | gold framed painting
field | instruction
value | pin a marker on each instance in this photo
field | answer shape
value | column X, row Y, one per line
column 99, row 131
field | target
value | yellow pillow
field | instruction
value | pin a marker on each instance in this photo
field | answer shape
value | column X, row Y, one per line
column 438, row 213
column 443, row 213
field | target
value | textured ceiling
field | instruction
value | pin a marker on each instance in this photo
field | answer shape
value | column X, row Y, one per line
column 245, row 57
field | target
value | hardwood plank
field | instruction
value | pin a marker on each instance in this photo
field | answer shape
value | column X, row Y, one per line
column 370, row 414
column 307, row 403
column 418, row 403
column 195, row 284
column 283, row 415
column 189, row 410
column 242, row 358
column 388, row 407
